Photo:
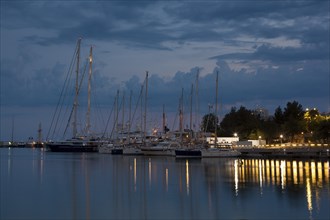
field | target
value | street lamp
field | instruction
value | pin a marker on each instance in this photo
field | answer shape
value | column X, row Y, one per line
column 281, row 137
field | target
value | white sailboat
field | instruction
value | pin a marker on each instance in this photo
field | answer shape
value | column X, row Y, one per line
column 79, row 143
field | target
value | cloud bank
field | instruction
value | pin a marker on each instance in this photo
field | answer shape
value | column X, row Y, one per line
column 266, row 52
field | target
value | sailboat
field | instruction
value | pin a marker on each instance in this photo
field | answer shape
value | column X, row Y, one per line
column 78, row 143
column 202, row 150
column 213, row 150
column 188, row 148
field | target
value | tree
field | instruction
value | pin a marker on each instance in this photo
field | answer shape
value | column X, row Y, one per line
column 243, row 121
column 278, row 116
column 208, row 122
column 322, row 131
column 293, row 110
column 269, row 130
column 294, row 122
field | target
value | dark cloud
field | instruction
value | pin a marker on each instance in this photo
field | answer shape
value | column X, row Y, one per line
column 266, row 52
column 281, row 54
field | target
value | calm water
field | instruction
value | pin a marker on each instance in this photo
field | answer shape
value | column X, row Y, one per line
column 36, row 184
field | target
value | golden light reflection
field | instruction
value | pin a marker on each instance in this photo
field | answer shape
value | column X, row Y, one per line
column 236, row 176
column 260, row 173
column 301, row 172
column 272, row 167
column 295, row 172
column 187, row 176
column 149, row 171
column 134, row 168
column 313, row 175
column 166, row 178
column 319, row 173
column 283, row 174
column 309, row 195
column 278, row 173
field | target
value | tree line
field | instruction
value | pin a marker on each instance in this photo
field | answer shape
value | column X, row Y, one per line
column 291, row 124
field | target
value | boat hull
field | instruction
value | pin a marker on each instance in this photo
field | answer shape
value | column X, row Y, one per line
column 132, row 151
column 188, row 153
column 153, row 151
column 72, row 148
column 220, row 153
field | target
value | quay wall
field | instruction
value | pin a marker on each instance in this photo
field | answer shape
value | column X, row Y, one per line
column 286, row 151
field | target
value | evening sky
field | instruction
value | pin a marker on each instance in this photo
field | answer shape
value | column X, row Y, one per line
column 266, row 53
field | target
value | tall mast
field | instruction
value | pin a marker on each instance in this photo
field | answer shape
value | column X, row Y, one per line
column 12, row 129
column 164, row 119
column 88, row 119
column 181, row 116
column 191, row 102
column 145, row 106
column 117, row 113
column 197, row 99
column 130, row 117
column 74, row 131
column 181, row 113
column 123, row 114
column 141, row 112
column 216, row 111
column 39, row 133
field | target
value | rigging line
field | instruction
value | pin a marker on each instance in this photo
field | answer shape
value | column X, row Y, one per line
column 63, row 97
column 73, row 106
column 176, row 114
column 137, row 103
column 110, row 115
column 62, row 102
column 116, row 120
column 99, row 115
column 61, row 94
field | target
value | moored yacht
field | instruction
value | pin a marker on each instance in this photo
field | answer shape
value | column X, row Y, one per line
column 74, row 145
column 79, row 143
column 162, row 148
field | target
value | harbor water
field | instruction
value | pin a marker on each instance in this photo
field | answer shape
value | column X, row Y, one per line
column 37, row 184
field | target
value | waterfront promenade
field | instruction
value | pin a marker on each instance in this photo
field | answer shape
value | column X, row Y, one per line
column 288, row 150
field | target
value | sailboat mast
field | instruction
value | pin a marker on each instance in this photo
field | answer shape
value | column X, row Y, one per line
column 191, row 102
column 39, row 133
column 12, row 129
column 181, row 113
column 164, row 119
column 130, row 117
column 145, row 106
column 88, row 119
column 216, row 110
column 197, row 99
column 123, row 114
column 74, row 131
column 116, row 114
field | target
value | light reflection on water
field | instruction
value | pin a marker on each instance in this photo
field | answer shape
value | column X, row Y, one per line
column 40, row 185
